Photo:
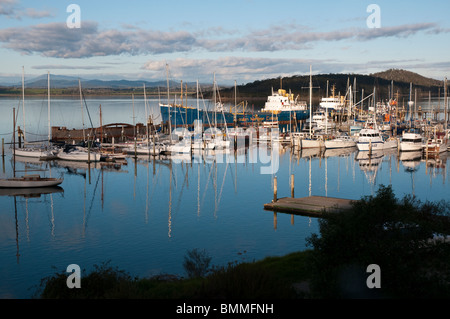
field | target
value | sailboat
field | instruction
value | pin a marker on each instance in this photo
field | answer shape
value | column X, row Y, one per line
column 79, row 153
column 43, row 153
column 312, row 141
column 26, row 181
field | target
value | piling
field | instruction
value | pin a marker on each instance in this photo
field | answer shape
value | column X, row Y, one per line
column 275, row 189
column 3, row 147
column 292, row 185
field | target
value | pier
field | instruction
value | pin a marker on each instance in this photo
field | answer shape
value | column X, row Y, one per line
column 311, row 206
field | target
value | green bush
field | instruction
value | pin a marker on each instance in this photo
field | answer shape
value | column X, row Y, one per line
column 394, row 234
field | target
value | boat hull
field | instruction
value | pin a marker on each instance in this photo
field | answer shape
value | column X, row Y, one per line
column 79, row 156
column 185, row 116
column 339, row 144
column 20, row 182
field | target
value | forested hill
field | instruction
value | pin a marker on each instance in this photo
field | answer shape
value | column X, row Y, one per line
column 394, row 80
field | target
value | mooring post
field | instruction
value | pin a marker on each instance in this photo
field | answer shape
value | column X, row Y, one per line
column 292, row 185
column 274, row 189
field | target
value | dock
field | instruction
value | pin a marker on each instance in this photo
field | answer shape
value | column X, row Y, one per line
column 310, row 206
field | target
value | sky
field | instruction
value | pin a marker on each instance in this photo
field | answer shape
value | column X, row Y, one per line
column 234, row 40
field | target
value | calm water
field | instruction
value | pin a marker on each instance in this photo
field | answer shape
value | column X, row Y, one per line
column 145, row 216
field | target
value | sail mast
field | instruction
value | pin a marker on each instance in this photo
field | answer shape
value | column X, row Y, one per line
column 168, row 103
column 81, row 105
column 23, row 101
column 310, row 99
column 48, row 93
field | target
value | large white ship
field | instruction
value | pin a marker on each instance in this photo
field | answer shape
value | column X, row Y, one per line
column 333, row 102
column 281, row 101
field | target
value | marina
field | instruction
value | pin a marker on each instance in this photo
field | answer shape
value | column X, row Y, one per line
column 160, row 179
column 142, row 213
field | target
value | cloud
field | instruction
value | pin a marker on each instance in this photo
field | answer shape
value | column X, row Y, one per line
column 68, row 67
column 57, row 40
column 246, row 69
column 12, row 10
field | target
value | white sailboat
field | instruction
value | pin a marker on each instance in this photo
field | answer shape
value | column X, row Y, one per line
column 342, row 141
column 26, row 181
column 42, row 152
column 312, row 141
column 78, row 153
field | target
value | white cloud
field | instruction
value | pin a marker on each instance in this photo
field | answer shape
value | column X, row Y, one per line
column 57, row 40
column 12, row 10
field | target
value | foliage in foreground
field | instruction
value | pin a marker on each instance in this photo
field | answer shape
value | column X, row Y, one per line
column 236, row 280
column 397, row 235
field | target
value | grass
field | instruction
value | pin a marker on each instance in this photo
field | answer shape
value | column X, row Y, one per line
column 272, row 277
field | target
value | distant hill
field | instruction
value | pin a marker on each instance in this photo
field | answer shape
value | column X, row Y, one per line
column 399, row 75
column 381, row 82
column 256, row 91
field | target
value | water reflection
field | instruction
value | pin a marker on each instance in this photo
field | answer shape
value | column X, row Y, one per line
column 146, row 212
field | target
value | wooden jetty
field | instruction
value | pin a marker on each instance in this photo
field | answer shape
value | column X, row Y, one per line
column 310, row 206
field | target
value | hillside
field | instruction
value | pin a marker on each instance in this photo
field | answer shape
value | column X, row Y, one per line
column 398, row 75
column 258, row 91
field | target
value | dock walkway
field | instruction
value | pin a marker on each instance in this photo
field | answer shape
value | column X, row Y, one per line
column 311, row 205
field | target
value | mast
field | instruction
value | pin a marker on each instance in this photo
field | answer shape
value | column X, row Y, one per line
column 215, row 102
column 146, row 113
column 310, row 99
column 81, row 105
column 14, row 142
column 48, row 85
column 445, row 103
column 235, row 105
column 23, row 102
column 168, row 103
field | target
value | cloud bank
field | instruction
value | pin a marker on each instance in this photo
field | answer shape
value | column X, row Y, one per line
column 58, row 41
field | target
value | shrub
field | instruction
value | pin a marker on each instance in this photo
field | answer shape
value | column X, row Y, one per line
column 394, row 234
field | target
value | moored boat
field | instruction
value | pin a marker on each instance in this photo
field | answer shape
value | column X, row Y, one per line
column 411, row 140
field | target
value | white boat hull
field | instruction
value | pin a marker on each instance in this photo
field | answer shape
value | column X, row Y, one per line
column 79, row 156
column 312, row 143
column 376, row 145
column 338, row 143
column 29, row 182
column 410, row 147
column 41, row 154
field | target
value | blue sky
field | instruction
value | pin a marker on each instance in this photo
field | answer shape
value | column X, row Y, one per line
column 243, row 40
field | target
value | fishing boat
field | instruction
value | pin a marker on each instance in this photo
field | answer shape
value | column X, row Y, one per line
column 333, row 102
column 437, row 143
column 280, row 108
column 411, row 140
column 370, row 138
